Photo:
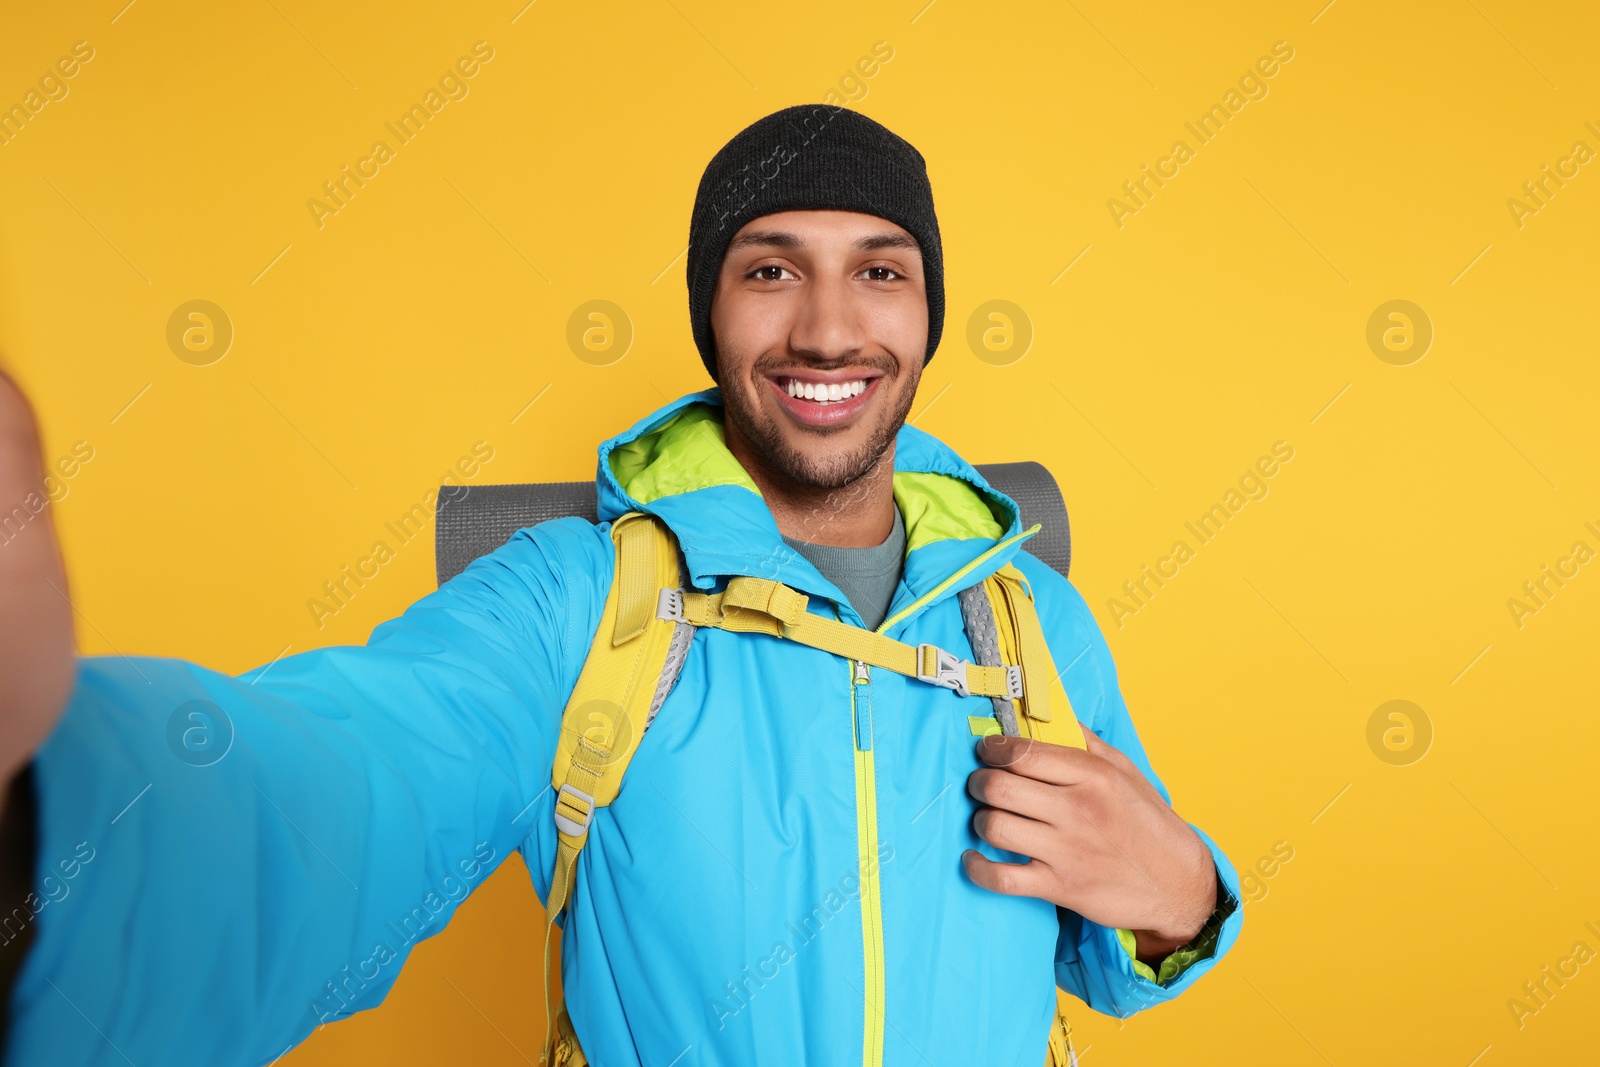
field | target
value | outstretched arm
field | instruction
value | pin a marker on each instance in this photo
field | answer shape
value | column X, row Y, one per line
column 224, row 863
column 35, row 615
column 35, row 654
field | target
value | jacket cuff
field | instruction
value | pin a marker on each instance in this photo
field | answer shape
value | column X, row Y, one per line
column 1202, row 946
column 1094, row 963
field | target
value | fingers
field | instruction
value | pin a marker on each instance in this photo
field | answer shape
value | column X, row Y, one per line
column 1029, row 879
column 1040, row 760
column 1008, row 791
column 1056, row 764
column 1013, row 832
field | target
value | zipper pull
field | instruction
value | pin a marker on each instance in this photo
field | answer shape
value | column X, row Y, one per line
column 861, row 706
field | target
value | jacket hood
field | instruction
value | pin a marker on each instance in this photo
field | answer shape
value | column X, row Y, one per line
column 675, row 464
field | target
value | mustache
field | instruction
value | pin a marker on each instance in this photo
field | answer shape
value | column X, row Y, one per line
column 885, row 365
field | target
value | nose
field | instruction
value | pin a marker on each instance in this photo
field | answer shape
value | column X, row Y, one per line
column 829, row 324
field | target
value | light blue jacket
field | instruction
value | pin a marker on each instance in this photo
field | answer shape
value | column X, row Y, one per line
column 770, row 885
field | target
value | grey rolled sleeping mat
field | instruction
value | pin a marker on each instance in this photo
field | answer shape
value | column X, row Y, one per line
column 475, row 520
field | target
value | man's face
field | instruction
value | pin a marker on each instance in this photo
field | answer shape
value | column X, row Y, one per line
column 827, row 302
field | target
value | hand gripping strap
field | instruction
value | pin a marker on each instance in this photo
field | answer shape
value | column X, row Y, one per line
column 608, row 709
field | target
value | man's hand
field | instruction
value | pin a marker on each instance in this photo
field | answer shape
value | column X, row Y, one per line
column 1102, row 842
column 36, row 648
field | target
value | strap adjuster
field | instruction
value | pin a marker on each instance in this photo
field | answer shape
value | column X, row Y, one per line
column 669, row 605
column 1014, row 681
column 949, row 671
column 578, row 801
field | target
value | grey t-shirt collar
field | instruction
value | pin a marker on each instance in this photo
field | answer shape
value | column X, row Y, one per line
column 867, row 576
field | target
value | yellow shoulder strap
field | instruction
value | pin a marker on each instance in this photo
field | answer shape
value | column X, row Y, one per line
column 1044, row 713
column 610, row 705
column 761, row 605
column 1022, row 641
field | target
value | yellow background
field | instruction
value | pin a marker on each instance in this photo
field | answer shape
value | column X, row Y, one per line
column 1229, row 313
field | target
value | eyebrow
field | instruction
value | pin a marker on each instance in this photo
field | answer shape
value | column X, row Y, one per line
column 785, row 239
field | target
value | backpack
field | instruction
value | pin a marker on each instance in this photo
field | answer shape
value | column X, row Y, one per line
column 643, row 639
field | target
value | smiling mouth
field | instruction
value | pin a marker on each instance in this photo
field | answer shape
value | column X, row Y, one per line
column 819, row 392
column 826, row 403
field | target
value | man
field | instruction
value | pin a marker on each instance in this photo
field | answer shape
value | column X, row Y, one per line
column 781, row 880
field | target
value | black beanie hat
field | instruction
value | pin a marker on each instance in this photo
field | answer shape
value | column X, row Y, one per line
column 811, row 156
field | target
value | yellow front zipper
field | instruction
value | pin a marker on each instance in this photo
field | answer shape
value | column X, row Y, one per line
column 867, row 854
column 867, row 817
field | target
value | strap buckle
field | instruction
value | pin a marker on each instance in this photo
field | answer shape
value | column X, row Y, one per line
column 669, row 605
column 949, row 671
column 1014, row 681
column 578, row 801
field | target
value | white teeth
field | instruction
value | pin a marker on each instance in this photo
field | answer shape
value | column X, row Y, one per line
column 826, row 393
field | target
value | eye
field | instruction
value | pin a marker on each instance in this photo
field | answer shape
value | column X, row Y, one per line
column 886, row 271
column 760, row 273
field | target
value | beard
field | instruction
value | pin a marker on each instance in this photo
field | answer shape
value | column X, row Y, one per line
column 835, row 468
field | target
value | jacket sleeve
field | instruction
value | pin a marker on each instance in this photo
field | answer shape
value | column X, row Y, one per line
column 225, row 863
column 1093, row 962
column 1202, row 946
